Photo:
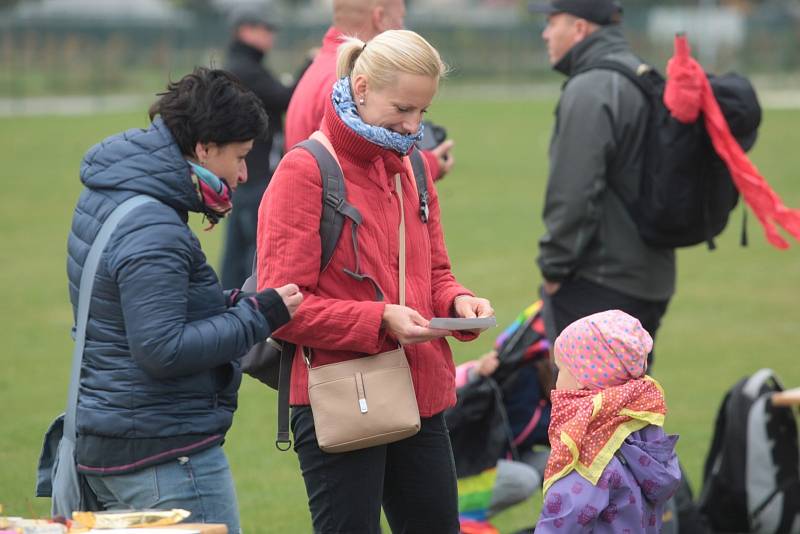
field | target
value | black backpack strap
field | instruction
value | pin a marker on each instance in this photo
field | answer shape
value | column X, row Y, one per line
column 334, row 210
column 283, row 440
column 418, row 165
column 639, row 80
column 334, row 200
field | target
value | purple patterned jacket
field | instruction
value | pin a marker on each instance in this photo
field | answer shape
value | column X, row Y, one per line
column 629, row 497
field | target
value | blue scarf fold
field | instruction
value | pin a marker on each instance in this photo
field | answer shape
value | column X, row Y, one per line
column 345, row 107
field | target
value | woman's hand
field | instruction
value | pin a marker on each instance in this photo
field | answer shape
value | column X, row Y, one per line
column 470, row 307
column 408, row 326
column 292, row 298
column 488, row 363
column 551, row 288
column 444, row 155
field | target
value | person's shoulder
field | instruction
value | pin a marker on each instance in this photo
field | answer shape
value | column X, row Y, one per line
column 299, row 166
column 297, row 183
column 159, row 221
column 591, row 89
column 153, row 228
column 600, row 86
column 590, row 80
column 593, row 79
column 247, row 71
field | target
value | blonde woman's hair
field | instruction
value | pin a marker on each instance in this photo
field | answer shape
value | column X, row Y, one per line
column 387, row 54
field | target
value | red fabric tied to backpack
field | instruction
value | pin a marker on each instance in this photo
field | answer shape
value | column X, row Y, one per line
column 687, row 94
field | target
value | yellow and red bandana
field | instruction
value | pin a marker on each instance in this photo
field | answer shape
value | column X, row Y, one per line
column 588, row 426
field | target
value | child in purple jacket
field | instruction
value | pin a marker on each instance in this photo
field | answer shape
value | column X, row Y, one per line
column 611, row 468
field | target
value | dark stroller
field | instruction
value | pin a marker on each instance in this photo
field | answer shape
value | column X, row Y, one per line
column 508, row 412
column 504, row 415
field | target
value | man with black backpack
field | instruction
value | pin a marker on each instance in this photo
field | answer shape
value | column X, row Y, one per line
column 592, row 257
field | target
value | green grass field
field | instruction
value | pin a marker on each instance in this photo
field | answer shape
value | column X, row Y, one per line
column 736, row 309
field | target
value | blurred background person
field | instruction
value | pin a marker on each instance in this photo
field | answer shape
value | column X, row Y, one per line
column 254, row 28
column 591, row 256
column 351, row 18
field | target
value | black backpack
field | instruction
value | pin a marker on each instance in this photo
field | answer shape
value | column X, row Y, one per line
column 686, row 192
column 751, row 480
column 271, row 361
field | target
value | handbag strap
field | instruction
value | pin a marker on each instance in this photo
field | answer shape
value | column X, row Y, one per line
column 84, row 300
column 283, row 441
column 402, row 277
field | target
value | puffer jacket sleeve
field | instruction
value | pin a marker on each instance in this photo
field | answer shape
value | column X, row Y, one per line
column 583, row 141
column 289, row 251
column 152, row 266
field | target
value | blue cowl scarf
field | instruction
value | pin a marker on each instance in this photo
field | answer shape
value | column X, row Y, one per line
column 345, row 107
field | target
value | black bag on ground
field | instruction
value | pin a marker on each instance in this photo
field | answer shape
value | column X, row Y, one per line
column 686, row 191
column 478, row 427
column 508, row 412
column 682, row 514
column 751, row 480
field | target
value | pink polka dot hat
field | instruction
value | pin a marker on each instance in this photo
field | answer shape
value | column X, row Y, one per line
column 605, row 349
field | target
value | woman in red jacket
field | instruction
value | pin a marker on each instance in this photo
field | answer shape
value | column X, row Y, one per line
column 372, row 120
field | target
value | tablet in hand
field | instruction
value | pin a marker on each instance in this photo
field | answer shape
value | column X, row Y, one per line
column 452, row 323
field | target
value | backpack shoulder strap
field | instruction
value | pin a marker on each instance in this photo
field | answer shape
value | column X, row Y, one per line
column 418, row 166
column 639, row 77
column 334, row 199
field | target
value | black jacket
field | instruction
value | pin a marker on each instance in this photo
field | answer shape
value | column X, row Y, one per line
column 245, row 62
column 596, row 156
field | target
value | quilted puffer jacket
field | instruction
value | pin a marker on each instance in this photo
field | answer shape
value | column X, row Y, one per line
column 161, row 344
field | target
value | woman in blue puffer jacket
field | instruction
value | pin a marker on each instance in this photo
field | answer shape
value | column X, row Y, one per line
column 160, row 370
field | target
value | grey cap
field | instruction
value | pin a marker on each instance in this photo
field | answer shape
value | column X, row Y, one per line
column 263, row 14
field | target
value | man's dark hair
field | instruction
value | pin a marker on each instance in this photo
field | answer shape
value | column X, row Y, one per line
column 210, row 106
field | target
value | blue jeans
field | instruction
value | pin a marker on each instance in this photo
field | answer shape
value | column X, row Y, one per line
column 200, row 483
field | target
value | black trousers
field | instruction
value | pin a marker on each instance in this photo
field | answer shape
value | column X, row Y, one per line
column 414, row 479
column 579, row 297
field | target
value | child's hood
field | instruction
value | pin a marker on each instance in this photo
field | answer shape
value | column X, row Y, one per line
column 650, row 456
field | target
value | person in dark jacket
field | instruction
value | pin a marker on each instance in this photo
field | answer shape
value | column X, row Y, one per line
column 591, row 256
column 160, row 371
column 253, row 37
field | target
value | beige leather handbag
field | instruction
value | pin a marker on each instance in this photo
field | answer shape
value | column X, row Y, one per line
column 367, row 401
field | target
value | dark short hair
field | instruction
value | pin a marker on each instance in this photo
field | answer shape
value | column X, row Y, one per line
column 210, row 106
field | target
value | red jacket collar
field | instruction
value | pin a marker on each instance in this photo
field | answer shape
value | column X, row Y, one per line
column 353, row 147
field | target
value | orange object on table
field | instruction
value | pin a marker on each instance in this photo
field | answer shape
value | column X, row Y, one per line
column 204, row 528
